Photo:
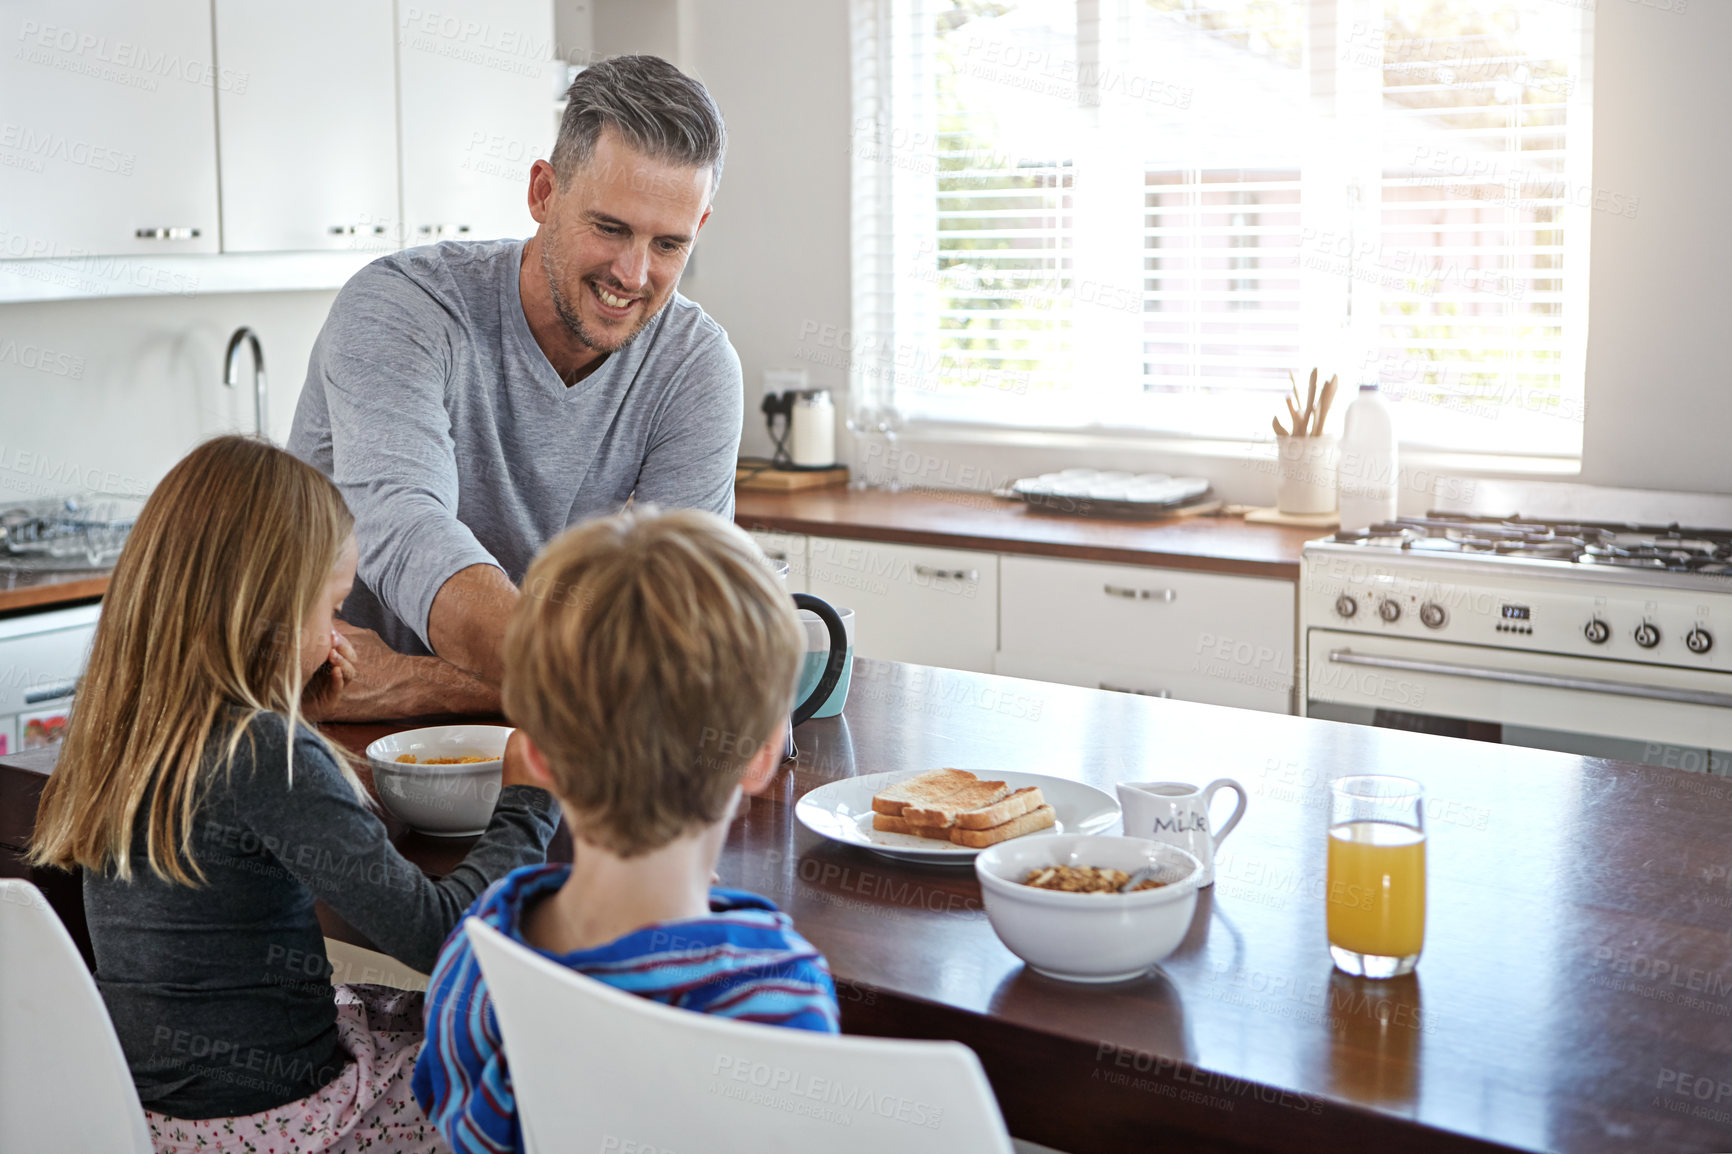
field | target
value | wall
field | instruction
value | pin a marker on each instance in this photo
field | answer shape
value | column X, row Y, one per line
column 773, row 259
column 131, row 384
column 773, row 267
column 1659, row 406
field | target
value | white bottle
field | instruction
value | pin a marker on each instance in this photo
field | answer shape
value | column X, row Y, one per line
column 1366, row 479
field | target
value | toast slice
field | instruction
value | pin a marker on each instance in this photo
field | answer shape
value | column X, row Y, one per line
column 890, row 823
column 1034, row 819
column 981, row 796
column 951, row 814
column 926, row 789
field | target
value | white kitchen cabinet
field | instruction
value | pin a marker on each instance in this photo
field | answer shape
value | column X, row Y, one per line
column 912, row 603
column 1217, row 638
column 789, row 547
column 309, row 141
column 476, row 91
column 108, row 138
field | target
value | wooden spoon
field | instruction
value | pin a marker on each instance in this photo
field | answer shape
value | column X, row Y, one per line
column 1323, row 404
column 1293, row 411
column 1279, row 431
column 1310, row 403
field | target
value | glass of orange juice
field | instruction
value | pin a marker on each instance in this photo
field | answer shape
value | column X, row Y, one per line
column 1376, row 887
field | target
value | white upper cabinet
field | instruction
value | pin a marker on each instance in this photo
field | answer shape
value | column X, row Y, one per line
column 476, row 95
column 308, row 130
column 108, row 134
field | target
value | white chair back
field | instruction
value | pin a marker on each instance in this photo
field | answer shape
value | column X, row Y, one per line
column 64, row 1085
column 599, row 1069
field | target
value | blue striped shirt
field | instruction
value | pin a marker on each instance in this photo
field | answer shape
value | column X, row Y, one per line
column 744, row 961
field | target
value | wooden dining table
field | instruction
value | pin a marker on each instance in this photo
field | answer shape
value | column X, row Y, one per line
column 1574, row 995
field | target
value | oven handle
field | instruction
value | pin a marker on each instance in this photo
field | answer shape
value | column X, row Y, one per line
column 1548, row 680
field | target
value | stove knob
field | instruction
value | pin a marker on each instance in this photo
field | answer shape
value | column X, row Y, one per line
column 1346, row 606
column 1699, row 640
column 1647, row 636
column 1432, row 616
column 1389, row 610
column 1597, row 631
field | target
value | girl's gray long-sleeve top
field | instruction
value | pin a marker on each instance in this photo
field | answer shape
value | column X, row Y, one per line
column 221, row 993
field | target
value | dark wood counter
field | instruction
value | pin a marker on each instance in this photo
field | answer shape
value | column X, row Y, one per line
column 1575, row 993
column 957, row 519
column 29, row 590
column 973, row 520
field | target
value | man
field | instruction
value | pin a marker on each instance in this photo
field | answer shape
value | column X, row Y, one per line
column 472, row 399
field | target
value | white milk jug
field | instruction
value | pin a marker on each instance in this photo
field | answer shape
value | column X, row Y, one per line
column 1177, row 813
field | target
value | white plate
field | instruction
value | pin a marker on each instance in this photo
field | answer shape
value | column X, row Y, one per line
column 842, row 811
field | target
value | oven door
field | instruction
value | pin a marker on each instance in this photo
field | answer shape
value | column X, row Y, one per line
column 1628, row 711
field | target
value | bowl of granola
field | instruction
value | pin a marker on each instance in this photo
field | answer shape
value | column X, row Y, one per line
column 1057, row 902
column 443, row 780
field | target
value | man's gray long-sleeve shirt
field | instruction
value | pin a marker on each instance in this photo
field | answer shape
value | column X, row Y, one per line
column 456, row 443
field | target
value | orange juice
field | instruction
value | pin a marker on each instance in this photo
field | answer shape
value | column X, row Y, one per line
column 1377, row 888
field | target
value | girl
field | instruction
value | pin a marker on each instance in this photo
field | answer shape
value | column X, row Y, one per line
column 207, row 819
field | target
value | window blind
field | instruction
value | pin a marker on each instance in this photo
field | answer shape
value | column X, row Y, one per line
column 1144, row 213
column 1485, row 197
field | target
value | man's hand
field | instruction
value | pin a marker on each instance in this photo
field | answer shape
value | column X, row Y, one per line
column 384, row 684
column 466, row 624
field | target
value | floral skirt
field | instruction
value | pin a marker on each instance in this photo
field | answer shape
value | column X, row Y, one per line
column 366, row 1107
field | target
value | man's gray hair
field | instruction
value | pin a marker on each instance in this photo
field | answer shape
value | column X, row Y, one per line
column 658, row 110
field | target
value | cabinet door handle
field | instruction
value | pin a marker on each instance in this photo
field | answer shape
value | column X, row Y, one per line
column 442, row 230
column 50, row 693
column 947, row 574
column 357, row 230
column 1130, row 594
column 177, row 233
column 1111, row 688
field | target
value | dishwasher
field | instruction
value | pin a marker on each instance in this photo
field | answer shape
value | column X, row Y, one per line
column 41, row 657
column 43, row 653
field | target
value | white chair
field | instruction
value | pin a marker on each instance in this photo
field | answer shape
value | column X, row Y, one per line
column 595, row 1068
column 64, row 1085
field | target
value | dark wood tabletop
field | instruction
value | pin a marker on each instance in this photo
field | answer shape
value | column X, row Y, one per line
column 1575, row 993
column 969, row 519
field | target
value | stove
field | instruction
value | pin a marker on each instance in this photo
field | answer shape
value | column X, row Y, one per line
column 1598, row 638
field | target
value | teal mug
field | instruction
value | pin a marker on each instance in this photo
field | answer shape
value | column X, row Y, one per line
column 834, row 660
column 818, row 658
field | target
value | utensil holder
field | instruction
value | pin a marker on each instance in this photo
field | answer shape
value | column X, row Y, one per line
column 1305, row 469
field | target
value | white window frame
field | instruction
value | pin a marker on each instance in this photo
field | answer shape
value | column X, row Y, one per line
column 894, row 339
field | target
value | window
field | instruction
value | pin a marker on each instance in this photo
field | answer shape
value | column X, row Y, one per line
column 1141, row 214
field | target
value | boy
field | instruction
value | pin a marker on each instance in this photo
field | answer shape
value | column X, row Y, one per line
column 644, row 647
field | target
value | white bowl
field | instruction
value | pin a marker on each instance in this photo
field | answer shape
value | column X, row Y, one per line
column 444, row 800
column 1088, row 937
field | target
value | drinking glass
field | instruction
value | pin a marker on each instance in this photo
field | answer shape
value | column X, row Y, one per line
column 1376, row 890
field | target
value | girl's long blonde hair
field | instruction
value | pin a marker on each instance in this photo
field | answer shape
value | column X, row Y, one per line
column 199, row 634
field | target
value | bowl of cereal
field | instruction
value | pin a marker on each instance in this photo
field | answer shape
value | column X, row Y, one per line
column 442, row 780
column 1055, row 902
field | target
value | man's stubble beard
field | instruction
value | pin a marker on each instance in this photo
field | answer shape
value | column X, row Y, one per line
column 553, row 267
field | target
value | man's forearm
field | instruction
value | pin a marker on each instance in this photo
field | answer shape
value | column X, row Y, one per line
column 467, row 623
column 391, row 685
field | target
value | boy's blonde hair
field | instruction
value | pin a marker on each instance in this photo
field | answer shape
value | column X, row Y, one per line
column 199, row 634
column 650, row 656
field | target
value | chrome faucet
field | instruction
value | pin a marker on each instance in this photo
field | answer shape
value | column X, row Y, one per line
column 232, row 374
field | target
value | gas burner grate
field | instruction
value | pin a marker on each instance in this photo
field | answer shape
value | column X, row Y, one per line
column 1663, row 547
